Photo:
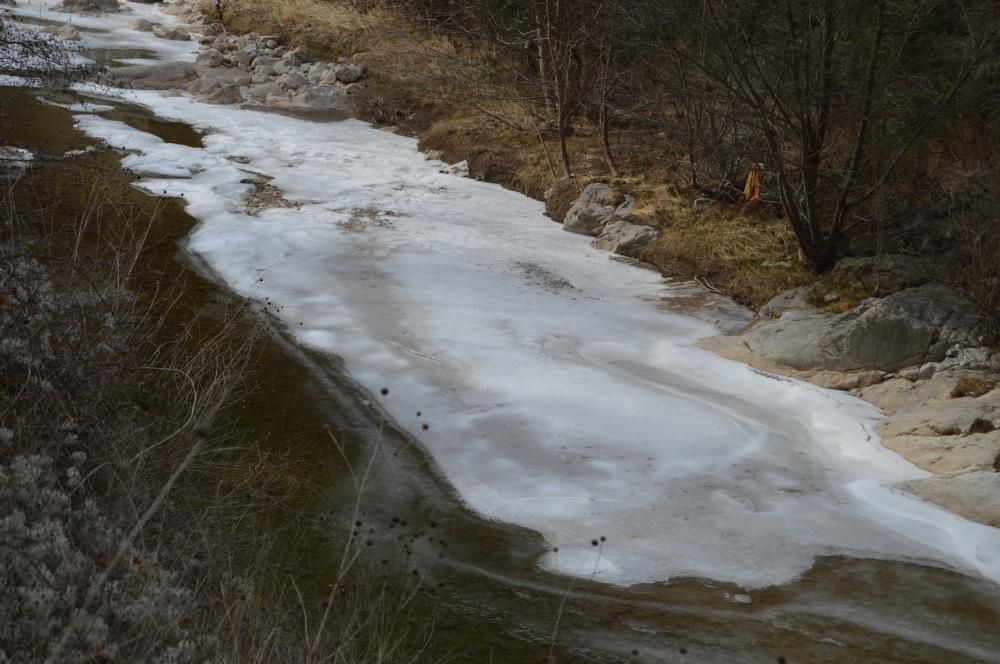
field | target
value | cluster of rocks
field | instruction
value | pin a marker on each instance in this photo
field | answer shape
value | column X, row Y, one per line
column 606, row 216
column 251, row 69
column 258, row 70
column 918, row 352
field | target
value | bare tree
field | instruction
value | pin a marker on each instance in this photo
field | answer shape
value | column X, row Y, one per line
column 816, row 78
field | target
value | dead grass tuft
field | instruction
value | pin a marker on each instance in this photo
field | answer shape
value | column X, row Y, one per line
column 969, row 385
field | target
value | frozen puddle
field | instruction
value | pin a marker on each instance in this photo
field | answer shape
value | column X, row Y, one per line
column 557, row 393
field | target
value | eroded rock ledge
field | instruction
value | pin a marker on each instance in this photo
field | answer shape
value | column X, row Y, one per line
column 917, row 351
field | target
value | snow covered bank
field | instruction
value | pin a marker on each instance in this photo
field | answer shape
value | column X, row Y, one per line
column 553, row 392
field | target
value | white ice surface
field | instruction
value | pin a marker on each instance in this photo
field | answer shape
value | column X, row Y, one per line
column 558, row 396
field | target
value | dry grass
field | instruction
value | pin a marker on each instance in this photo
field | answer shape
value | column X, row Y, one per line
column 969, row 385
column 742, row 251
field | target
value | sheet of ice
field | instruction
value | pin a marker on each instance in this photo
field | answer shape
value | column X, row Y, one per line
column 81, row 107
column 557, row 395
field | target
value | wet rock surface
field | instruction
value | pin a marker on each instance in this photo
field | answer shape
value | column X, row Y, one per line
column 917, row 353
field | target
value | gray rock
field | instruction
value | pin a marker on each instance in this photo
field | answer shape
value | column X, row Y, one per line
column 349, row 73
column 160, row 76
column 264, row 61
column 594, row 209
column 322, row 99
column 624, row 237
column 797, row 298
column 318, row 70
column 262, row 75
column 292, row 81
column 263, row 91
column 172, row 32
column 209, row 58
column 911, row 327
column 880, row 275
column 142, row 25
column 702, row 203
column 216, row 90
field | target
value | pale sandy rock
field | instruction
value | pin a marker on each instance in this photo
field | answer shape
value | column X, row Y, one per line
column 949, row 454
column 898, row 394
column 975, row 496
column 948, row 417
column 845, row 380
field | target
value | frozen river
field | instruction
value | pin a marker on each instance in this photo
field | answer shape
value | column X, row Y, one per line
column 542, row 378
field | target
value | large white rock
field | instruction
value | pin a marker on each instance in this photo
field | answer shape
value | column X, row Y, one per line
column 624, row 237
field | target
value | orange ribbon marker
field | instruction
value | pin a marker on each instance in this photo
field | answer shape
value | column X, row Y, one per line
column 752, row 189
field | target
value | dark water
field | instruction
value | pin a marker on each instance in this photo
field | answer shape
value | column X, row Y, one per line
column 495, row 604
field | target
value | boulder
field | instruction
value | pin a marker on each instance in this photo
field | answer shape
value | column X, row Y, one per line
column 911, row 327
column 594, row 209
column 880, row 275
column 210, row 57
column 292, row 81
column 160, row 76
column 624, row 237
column 216, row 90
column 142, row 25
column 173, row 32
column 790, row 300
column 349, row 73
